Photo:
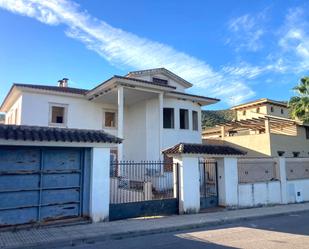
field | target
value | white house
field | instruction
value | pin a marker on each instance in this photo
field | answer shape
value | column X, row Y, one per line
column 149, row 109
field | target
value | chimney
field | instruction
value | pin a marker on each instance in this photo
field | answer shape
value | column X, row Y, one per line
column 63, row 82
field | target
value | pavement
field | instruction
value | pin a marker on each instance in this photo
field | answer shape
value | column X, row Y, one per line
column 285, row 232
column 49, row 237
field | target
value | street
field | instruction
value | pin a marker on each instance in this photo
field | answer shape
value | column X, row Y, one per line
column 290, row 231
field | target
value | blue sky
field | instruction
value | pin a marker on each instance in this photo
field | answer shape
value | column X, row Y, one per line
column 233, row 50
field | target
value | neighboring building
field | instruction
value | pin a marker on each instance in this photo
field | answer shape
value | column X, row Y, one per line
column 262, row 128
column 149, row 109
column 260, row 108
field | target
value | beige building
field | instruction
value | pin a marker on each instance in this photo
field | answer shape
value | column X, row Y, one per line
column 262, row 128
column 260, row 108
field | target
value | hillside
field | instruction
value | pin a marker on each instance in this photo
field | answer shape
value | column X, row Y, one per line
column 211, row 118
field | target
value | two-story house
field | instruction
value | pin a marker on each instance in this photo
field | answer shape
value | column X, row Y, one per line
column 149, row 109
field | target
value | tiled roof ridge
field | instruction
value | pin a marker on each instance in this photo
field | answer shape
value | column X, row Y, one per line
column 55, row 134
column 196, row 148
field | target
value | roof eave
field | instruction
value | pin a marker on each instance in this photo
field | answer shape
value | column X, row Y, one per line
column 14, row 92
column 259, row 102
column 202, row 101
column 118, row 80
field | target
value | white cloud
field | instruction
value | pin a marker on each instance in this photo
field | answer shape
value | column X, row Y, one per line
column 121, row 47
column 244, row 70
column 289, row 46
column 246, row 32
column 294, row 41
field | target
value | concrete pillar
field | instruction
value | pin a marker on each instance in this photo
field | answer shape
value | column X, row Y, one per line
column 222, row 131
column 267, row 126
column 100, row 184
column 120, row 120
column 161, row 125
column 175, row 177
column 227, row 181
column 189, row 185
column 283, row 181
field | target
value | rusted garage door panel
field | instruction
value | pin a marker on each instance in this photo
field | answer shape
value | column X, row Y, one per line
column 38, row 185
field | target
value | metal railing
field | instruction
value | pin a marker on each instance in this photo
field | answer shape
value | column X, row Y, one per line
column 133, row 181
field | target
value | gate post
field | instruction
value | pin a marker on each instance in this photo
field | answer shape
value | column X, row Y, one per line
column 188, row 183
column 100, row 184
column 227, row 181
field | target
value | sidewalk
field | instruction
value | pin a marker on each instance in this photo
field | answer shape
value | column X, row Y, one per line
column 50, row 237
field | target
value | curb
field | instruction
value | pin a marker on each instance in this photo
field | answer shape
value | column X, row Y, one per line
column 137, row 233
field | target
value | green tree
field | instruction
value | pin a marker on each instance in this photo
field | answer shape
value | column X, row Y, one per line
column 299, row 105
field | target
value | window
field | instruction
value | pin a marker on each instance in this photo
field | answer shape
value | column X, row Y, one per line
column 168, row 118
column 258, row 110
column 160, row 81
column 110, row 119
column 272, row 109
column 282, row 111
column 307, row 132
column 183, row 119
column 194, row 120
column 296, row 153
column 58, row 114
column 244, row 113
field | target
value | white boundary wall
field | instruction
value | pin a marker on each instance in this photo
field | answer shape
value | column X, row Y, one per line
column 260, row 193
column 297, row 189
column 279, row 191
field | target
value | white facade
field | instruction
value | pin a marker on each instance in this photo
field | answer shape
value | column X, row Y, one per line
column 138, row 106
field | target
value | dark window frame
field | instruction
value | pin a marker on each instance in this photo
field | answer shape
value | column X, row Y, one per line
column 170, row 124
column 195, row 121
column 184, row 119
column 159, row 81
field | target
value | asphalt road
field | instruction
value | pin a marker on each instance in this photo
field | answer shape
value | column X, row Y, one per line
column 290, row 231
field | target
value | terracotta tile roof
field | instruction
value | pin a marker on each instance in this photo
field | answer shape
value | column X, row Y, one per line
column 188, row 148
column 51, row 134
column 53, row 88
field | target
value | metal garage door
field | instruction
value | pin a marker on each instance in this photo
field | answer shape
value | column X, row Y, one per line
column 40, row 185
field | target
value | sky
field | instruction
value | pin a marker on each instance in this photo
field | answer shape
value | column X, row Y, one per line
column 234, row 50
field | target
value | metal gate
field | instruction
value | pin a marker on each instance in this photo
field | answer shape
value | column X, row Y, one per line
column 40, row 185
column 208, row 183
column 144, row 188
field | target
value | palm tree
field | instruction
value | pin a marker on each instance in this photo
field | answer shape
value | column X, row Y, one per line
column 299, row 105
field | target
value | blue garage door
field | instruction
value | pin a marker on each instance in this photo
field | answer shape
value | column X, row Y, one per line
column 40, row 185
